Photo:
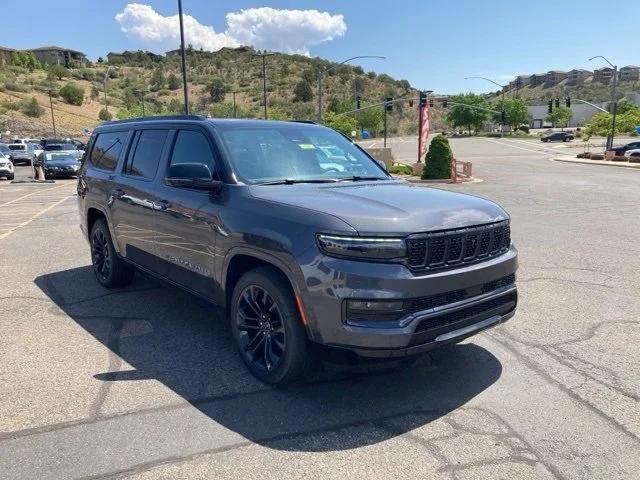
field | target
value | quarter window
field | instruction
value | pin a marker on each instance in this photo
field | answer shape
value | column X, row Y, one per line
column 106, row 150
column 145, row 153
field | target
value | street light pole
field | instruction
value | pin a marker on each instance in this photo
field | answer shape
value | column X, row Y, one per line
column 321, row 72
column 53, row 118
column 264, row 78
column 234, row 104
column 184, row 60
column 614, row 101
column 106, row 77
column 502, row 88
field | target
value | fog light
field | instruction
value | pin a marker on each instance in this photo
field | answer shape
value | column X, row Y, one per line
column 372, row 306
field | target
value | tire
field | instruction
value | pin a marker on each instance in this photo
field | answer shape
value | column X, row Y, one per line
column 267, row 328
column 11, row 177
column 110, row 270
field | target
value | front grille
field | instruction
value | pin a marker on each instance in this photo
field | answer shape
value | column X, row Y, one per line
column 431, row 251
column 434, row 301
column 495, row 306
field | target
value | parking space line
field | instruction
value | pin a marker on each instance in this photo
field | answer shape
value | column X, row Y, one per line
column 32, row 193
column 517, row 146
column 32, row 218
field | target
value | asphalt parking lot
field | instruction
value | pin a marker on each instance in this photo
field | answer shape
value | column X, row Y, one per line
column 145, row 382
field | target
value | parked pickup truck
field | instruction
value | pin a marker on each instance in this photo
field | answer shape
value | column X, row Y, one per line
column 21, row 152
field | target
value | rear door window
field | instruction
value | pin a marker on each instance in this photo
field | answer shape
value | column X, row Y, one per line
column 107, row 149
column 145, row 152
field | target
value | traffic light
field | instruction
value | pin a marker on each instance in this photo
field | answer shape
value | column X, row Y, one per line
column 557, row 103
column 358, row 102
column 550, row 106
column 431, row 102
column 503, row 117
column 423, row 99
column 389, row 105
column 567, row 102
column 445, row 102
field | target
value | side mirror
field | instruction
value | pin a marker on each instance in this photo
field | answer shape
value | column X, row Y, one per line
column 192, row 175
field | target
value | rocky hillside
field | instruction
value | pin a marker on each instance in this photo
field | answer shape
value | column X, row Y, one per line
column 213, row 77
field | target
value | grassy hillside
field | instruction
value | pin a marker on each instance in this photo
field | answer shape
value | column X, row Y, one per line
column 213, row 76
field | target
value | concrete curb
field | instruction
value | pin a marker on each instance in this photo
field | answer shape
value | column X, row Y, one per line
column 569, row 159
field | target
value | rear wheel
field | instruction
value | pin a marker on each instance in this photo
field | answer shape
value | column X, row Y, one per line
column 268, row 329
column 11, row 177
column 110, row 270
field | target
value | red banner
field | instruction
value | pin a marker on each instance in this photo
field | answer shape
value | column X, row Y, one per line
column 424, row 131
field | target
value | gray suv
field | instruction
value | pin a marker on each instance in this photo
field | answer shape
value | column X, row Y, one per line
column 310, row 245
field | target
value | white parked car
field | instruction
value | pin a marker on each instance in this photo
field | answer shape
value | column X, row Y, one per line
column 6, row 167
column 632, row 153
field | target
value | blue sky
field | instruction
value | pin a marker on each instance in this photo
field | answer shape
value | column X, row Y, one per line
column 433, row 44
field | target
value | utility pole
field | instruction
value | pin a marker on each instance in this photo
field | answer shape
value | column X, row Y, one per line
column 53, row 118
column 184, row 61
column 614, row 101
column 106, row 78
column 264, row 78
column 234, row 104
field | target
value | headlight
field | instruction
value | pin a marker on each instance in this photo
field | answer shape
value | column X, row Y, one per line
column 362, row 247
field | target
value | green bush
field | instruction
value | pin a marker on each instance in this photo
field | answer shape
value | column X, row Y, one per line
column 105, row 115
column 72, row 93
column 31, row 108
column 437, row 162
column 401, row 169
column 15, row 87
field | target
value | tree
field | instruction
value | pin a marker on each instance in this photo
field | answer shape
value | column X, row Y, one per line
column 25, row 59
column 342, row 123
column 371, row 119
column 516, row 112
column 472, row 111
column 31, row 108
column 95, row 92
column 303, row 92
column 217, row 89
column 72, row 93
column 57, row 71
column 100, row 60
column 560, row 116
column 175, row 106
column 105, row 115
column 173, row 82
column 437, row 162
column 600, row 124
column 157, row 79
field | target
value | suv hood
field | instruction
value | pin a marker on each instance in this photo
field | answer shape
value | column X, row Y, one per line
column 386, row 208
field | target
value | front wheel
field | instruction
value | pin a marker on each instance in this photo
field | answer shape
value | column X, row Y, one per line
column 268, row 329
column 110, row 270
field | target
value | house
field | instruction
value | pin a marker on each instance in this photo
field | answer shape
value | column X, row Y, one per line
column 630, row 73
column 537, row 79
column 578, row 75
column 53, row 55
column 603, row 75
column 5, row 55
column 554, row 77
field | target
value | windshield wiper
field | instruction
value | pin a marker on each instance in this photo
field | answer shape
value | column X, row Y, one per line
column 358, row 178
column 291, row 181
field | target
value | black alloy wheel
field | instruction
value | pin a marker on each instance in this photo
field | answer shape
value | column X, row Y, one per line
column 100, row 255
column 262, row 335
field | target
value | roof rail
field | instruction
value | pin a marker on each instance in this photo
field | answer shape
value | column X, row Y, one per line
column 304, row 121
column 155, row 118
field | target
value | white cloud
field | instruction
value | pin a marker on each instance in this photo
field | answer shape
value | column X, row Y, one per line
column 290, row 31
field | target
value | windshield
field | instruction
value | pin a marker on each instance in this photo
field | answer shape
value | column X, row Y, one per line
column 58, row 147
column 56, row 157
column 295, row 152
column 17, row 147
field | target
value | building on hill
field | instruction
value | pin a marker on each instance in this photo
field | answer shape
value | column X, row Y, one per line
column 603, row 75
column 53, row 55
column 630, row 73
column 578, row 75
column 537, row 79
column 519, row 82
column 5, row 55
column 554, row 77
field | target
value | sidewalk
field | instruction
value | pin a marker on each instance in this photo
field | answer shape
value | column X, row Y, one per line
column 572, row 159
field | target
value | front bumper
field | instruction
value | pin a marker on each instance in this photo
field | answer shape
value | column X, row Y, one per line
column 51, row 172
column 484, row 295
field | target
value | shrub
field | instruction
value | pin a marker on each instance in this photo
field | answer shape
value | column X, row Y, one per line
column 72, row 94
column 105, row 115
column 437, row 163
column 57, row 71
column 15, row 87
column 401, row 169
column 31, row 108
